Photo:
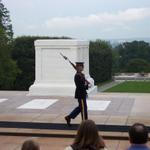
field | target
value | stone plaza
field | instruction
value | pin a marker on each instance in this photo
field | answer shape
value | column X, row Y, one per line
column 120, row 109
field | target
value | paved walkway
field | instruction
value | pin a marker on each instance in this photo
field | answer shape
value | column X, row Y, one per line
column 123, row 108
column 15, row 143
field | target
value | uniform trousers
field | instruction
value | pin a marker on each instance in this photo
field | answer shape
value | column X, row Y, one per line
column 82, row 107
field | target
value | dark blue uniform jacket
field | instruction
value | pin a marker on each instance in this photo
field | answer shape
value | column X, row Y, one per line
column 81, row 88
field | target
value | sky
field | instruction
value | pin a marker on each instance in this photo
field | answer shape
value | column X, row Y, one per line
column 80, row 19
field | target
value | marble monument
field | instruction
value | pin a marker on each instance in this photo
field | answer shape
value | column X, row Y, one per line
column 54, row 75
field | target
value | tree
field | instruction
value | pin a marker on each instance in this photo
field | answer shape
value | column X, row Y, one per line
column 138, row 65
column 100, row 60
column 8, row 68
column 131, row 50
column 115, row 61
column 23, row 54
column 5, row 24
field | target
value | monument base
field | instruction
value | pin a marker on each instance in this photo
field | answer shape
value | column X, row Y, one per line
column 56, row 90
column 92, row 90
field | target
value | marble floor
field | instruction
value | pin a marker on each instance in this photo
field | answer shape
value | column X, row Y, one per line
column 104, row 108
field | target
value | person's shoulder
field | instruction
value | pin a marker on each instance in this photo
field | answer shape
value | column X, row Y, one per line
column 77, row 75
column 68, row 148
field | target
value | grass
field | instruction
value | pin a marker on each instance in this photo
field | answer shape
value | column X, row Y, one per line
column 131, row 87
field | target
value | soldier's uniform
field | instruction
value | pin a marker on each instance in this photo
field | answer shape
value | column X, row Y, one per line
column 81, row 95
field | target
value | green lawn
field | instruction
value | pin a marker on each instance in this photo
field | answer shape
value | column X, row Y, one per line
column 131, row 87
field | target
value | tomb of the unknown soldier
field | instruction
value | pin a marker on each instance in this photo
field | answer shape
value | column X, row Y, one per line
column 54, row 76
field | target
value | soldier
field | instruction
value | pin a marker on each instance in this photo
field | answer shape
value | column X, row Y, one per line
column 80, row 94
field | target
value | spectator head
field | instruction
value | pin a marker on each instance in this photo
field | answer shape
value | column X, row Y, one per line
column 30, row 145
column 87, row 136
column 138, row 134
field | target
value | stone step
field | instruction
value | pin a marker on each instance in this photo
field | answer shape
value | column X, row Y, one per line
column 60, row 126
column 60, row 130
column 57, row 133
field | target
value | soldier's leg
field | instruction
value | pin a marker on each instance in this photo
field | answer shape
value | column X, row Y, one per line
column 81, row 108
column 74, row 113
column 84, row 113
column 86, row 109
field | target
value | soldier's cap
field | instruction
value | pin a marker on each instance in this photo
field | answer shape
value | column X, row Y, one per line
column 80, row 63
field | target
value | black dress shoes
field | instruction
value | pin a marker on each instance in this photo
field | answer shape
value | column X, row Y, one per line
column 68, row 120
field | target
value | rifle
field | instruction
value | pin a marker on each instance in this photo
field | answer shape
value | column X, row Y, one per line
column 73, row 65
column 66, row 58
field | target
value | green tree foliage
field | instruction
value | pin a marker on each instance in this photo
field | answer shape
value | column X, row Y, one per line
column 138, row 65
column 115, row 61
column 8, row 68
column 100, row 60
column 5, row 23
column 23, row 53
column 128, row 51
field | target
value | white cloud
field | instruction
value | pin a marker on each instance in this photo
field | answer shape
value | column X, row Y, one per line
column 103, row 19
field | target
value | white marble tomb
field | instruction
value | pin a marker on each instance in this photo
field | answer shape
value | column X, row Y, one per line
column 53, row 74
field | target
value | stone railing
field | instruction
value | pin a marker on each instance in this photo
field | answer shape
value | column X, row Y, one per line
column 132, row 76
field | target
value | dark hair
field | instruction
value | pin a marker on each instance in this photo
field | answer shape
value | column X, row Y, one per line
column 30, row 145
column 87, row 136
column 138, row 133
